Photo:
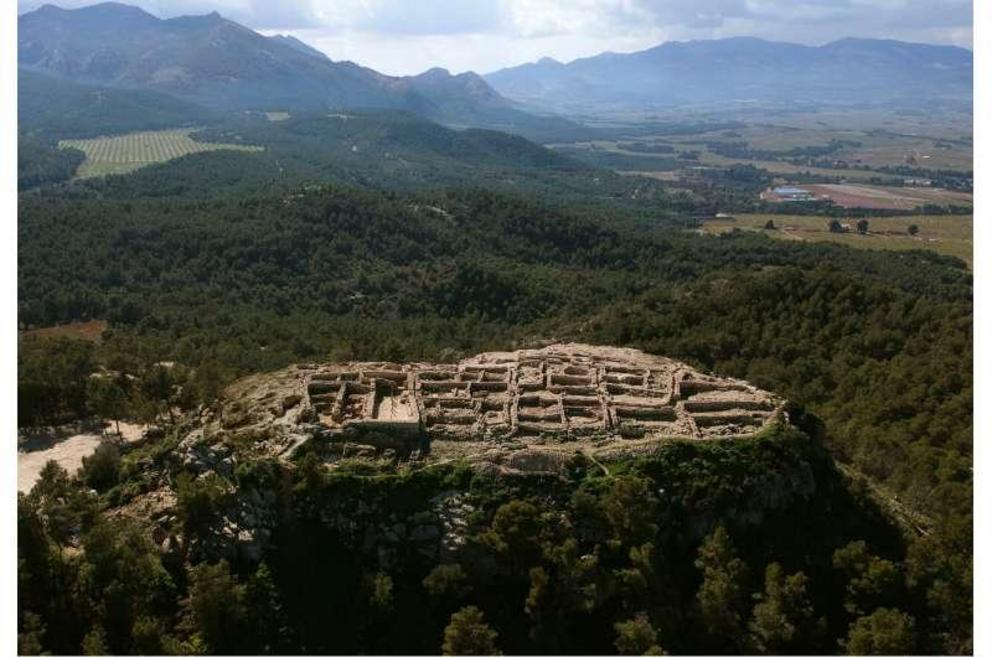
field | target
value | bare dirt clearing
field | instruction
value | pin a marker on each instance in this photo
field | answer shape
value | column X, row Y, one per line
column 64, row 445
column 68, row 453
column 91, row 331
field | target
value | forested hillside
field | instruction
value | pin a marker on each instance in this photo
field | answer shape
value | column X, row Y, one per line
column 39, row 161
column 746, row 546
column 61, row 109
column 878, row 345
column 376, row 149
column 51, row 109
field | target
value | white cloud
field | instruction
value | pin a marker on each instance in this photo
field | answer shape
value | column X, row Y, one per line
column 432, row 17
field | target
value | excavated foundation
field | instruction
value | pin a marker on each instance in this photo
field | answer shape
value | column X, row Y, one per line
column 564, row 390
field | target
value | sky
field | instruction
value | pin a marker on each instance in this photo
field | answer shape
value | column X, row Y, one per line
column 401, row 37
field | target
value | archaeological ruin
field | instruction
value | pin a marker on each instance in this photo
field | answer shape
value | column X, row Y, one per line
column 564, row 390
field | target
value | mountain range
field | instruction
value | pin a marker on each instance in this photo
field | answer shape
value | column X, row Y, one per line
column 745, row 70
column 220, row 64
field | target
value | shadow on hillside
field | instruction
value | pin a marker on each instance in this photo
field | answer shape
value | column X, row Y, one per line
column 32, row 439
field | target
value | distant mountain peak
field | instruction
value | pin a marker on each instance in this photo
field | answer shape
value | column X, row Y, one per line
column 102, row 8
column 721, row 71
column 222, row 65
column 435, row 72
column 126, row 18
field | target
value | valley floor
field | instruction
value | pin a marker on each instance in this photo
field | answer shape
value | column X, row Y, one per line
column 944, row 234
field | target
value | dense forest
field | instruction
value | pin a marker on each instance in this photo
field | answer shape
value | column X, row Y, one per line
column 878, row 345
column 63, row 109
column 41, row 161
column 752, row 546
column 381, row 235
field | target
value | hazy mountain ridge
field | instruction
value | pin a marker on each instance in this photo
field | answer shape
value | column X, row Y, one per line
column 206, row 58
column 223, row 65
column 293, row 42
column 745, row 69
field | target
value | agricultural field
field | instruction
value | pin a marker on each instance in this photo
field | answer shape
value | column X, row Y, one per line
column 892, row 143
column 945, row 234
column 125, row 153
column 949, row 125
column 787, row 169
column 888, row 198
column 835, row 145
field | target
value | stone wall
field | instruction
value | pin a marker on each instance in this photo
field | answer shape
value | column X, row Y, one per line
column 561, row 390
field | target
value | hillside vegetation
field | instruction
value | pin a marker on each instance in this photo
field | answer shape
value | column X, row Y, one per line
column 877, row 344
column 662, row 553
column 376, row 149
column 40, row 162
column 51, row 109
column 63, row 109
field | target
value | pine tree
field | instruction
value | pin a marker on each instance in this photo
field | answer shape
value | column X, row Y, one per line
column 637, row 637
column 106, row 399
column 783, row 612
column 722, row 594
column 95, row 642
column 148, row 637
column 215, row 610
column 266, row 614
column 446, row 580
column 872, row 581
column 630, row 508
column 468, row 634
column 30, row 636
column 883, row 632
